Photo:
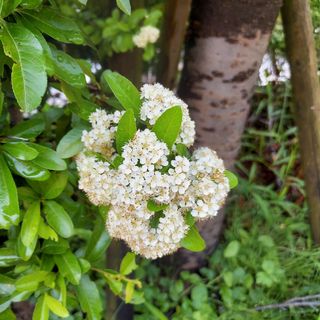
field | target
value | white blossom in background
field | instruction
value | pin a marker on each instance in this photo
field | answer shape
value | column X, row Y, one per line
column 146, row 35
column 149, row 171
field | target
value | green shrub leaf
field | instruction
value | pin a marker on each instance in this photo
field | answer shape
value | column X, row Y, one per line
column 193, row 240
column 167, row 126
column 29, row 79
column 232, row 249
column 41, row 311
column 154, row 206
column 70, row 144
column 9, row 205
column 125, row 6
column 58, row 219
column 126, row 130
column 48, row 158
column 89, row 298
column 20, row 150
column 27, row 169
column 56, row 306
column 30, row 282
column 128, row 263
column 30, row 224
column 55, row 25
column 123, row 89
column 28, row 128
column 69, row 266
column 233, row 180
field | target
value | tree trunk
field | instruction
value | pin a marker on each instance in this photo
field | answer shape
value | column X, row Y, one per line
column 226, row 43
column 306, row 93
column 172, row 38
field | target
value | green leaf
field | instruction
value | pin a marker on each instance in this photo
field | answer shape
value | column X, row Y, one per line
column 126, row 130
column 155, row 207
column 8, row 257
column 125, row 6
column 233, row 180
column 193, row 240
column 53, row 187
column 28, row 128
column 98, row 242
column 20, row 150
column 129, row 292
column 167, row 126
column 9, row 204
column 55, row 247
column 45, row 232
column 128, row 263
column 55, row 25
column 30, row 224
column 182, row 150
column 48, row 158
column 30, row 282
column 56, row 306
column 30, row 4
column 199, row 296
column 58, row 218
column 232, row 249
column 29, row 79
column 155, row 311
column 69, row 266
column 41, row 311
column 67, row 68
column 7, row 315
column 27, row 169
column 7, row 7
column 6, row 284
column 26, row 252
column 123, row 89
column 89, row 298
column 70, row 144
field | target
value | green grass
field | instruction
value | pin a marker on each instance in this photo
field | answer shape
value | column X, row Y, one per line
column 266, row 255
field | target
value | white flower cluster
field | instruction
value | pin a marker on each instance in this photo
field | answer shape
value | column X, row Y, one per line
column 146, row 35
column 156, row 100
column 149, row 172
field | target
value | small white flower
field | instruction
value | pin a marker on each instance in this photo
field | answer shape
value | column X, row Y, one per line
column 147, row 34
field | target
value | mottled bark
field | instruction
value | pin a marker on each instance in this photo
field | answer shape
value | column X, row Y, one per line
column 226, row 43
column 173, row 31
column 306, row 93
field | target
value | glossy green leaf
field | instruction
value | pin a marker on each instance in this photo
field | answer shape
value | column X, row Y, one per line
column 8, row 257
column 6, row 284
column 26, row 252
column 45, row 232
column 128, row 263
column 56, row 306
column 20, row 150
column 168, row 125
column 123, row 89
column 193, row 240
column 54, row 186
column 67, row 68
column 129, row 292
column 69, row 266
column 29, row 79
column 182, row 150
column 126, row 130
column 155, row 207
column 41, row 311
column 30, row 4
column 8, row 315
column 58, row 219
column 85, row 265
column 98, row 242
column 6, row 301
column 155, row 311
column 31, row 281
column 7, row 7
column 89, row 298
column 62, row 288
column 125, row 6
column 30, row 224
column 28, row 128
column 51, row 22
column 55, row 247
column 70, row 144
column 27, row 169
column 48, row 158
column 233, row 180
column 9, row 204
